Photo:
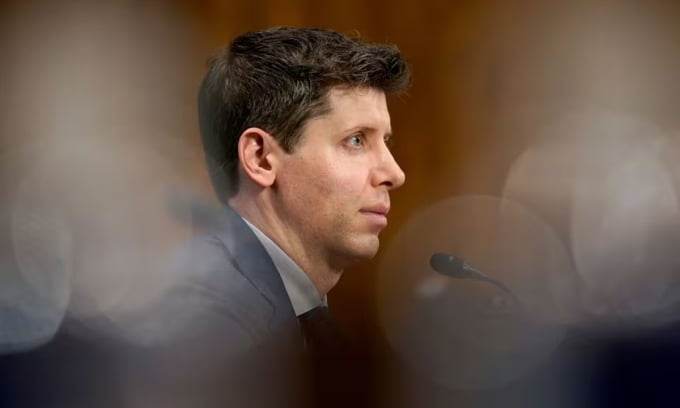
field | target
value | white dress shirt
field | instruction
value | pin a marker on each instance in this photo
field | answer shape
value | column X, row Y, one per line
column 300, row 289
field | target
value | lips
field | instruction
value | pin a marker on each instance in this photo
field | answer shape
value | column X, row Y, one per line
column 377, row 214
column 381, row 209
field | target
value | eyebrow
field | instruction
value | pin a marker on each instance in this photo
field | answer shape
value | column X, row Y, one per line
column 387, row 134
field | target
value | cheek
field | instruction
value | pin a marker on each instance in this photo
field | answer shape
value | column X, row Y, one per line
column 304, row 188
column 330, row 187
column 342, row 185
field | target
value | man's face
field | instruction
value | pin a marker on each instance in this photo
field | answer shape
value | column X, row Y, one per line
column 333, row 189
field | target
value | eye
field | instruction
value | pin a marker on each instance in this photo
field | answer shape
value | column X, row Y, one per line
column 356, row 140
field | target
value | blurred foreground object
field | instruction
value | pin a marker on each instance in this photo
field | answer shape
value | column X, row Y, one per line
column 457, row 332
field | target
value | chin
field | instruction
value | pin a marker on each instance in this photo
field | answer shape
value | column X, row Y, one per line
column 363, row 249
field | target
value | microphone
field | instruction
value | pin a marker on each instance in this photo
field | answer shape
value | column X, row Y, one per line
column 454, row 267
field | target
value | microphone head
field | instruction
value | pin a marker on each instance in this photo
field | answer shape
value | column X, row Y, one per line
column 450, row 265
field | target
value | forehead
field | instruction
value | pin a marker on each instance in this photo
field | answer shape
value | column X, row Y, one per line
column 357, row 107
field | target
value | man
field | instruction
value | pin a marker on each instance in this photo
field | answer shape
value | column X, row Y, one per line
column 295, row 128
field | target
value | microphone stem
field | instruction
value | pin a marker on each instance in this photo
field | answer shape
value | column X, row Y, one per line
column 504, row 288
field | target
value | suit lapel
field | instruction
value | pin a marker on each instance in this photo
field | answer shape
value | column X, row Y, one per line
column 254, row 263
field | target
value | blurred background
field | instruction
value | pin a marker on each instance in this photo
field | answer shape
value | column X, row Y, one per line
column 540, row 142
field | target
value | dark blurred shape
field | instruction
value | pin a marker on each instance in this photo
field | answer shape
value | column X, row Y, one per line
column 74, row 369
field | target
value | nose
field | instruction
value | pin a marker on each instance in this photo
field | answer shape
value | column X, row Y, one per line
column 388, row 173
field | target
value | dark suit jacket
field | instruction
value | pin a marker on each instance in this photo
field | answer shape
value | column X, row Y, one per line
column 224, row 334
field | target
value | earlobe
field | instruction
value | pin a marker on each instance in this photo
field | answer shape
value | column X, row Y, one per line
column 256, row 149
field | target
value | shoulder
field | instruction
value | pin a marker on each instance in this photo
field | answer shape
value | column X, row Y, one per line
column 204, row 261
column 206, row 297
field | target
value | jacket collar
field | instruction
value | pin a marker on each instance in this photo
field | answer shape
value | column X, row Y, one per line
column 253, row 261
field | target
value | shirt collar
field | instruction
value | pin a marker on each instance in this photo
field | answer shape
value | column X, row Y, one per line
column 300, row 289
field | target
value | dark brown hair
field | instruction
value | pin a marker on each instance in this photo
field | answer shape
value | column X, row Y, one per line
column 277, row 79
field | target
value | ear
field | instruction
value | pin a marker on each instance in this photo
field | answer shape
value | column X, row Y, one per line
column 257, row 151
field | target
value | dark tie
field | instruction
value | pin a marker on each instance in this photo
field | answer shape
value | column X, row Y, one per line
column 329, row 356
column 323, row 337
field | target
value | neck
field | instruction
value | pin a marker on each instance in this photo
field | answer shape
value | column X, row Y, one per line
column 258, row 211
